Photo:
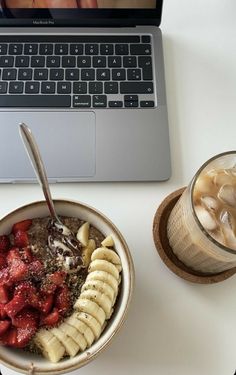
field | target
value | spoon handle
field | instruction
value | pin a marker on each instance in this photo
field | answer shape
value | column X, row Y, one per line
column 37, row 163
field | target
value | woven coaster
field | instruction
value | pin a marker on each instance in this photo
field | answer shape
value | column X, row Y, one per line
column 166, row 253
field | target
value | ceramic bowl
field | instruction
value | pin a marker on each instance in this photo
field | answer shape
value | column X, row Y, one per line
column 21, row 361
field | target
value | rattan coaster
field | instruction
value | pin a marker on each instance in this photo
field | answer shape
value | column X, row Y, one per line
column 164, row 249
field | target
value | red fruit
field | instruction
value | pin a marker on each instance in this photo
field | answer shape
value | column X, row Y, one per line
column 4, row 298
column 15, row 305
column 29, row 293
column 26, row 255
column 2, row 261
column 18, row 270
column 3, row 313
column 10, row 337
column 13, row 254
column 46, row 304
column 21, row 239
column 36, row 268
column 57, row 277
column 4, row 277
column 4, row 243
column 26, row 318
column 50, row 319
column 62, row 299
column 22, row 225
column 4, row 325
column 24, row 335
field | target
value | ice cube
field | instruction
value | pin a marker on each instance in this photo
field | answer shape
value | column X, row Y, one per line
column 227, row 194
column 203, row 185
column 228, row 227
column 205, row 218
column 209, row 202
column 223, row 177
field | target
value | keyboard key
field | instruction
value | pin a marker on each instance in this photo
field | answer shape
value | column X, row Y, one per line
column 31, row 49
column 145, row 38
column 25, row 74
column 9, row 74
column 118, row 74
column 147, row 103
column 91, row 49
column 76, row 49
column 99, row 101
column 121, row 49
column 56, row 74
column 63, row 87
column 41, row 74
column 106, row 49
column 3, row 49
column 130, row 61
column 16, row 87
column 37, row 61
column 134, row 74
column 48, row 87
column 72, row 74
column 84, row 61
column 68, row 62
column 46, row 49
column 22, row 61
column 82, row 101
column 80, row 88
column 103, row 74
column 99, row 61
column 136, row 88
column 40, row 101
column 3, row 87
column 6, row 61
column 114, row 62
column 53, row 61
column 61, row 49
column 131, row 98
column 111, row 88
column 130, row 104
column 32, row 87
column 88, row 74
column 115, row 104
column 145, row 62
column 95, row 87
column 15, row 49
column 140, row 49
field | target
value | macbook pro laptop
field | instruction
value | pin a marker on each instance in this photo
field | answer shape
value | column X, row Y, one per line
column 87, row 77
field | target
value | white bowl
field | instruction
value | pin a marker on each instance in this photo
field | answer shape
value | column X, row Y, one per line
column 21, row 361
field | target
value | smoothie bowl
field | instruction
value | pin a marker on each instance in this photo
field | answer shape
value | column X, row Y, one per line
column 56, row 315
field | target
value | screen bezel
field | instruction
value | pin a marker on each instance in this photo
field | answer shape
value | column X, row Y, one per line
column 85, row 17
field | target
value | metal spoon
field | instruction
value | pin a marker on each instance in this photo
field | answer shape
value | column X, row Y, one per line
column 61, row 240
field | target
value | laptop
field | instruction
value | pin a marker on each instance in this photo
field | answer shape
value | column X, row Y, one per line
column 87, row 77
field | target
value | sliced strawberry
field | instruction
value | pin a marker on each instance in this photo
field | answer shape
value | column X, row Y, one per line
column 26, row 318
column 4, row 243
column 4, row 297
column 57, row 277
column 13, row 254
column 22, row 225
column 10, row 337
column 62, row 299
column 24, row 335
column 46, row 303
column 50, row 319
column 4, row 325
column 15, row 305
column 26, row 255
column 36, row 269
column 29, row 293
column 21, row 239
column 3, row 313
column 5, row 278
column 18, row 270
column 2, row 261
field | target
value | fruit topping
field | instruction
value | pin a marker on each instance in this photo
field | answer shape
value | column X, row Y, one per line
column 51, row 319
column 21, row 238
column 4, row 243
column 22, row 225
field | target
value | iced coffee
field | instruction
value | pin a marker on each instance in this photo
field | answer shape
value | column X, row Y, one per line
column 202, row 226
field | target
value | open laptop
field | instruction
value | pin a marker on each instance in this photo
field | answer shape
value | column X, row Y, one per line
column 87, row 77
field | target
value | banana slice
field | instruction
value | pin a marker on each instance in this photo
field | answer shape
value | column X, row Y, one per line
column 105, row 277
column 82, row 328
column 74, row 334
column 100, row 286
column 104, row 265
column 90, row 321
column 101, row 299
column 70, row 345
column 108, row 241
column 106, row 254
column 92, row 308
column 50, row 346
column 83, row 233
column 87, row 252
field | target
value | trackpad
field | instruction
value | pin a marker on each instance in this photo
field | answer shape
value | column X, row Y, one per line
column 66, row 141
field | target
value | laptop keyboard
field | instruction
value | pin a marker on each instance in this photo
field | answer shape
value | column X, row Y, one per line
column 76, row 71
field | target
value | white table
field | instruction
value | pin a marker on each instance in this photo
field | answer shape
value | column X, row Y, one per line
column 173, row 327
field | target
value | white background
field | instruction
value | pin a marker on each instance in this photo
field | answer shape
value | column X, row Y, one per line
column 173, row 327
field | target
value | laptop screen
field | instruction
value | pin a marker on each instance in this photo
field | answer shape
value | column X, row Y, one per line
column 79, row 12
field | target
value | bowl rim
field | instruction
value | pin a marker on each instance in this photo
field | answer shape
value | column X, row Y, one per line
column 124, row 309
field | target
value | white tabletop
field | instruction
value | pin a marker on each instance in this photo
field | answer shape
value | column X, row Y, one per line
column 173, row 327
